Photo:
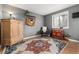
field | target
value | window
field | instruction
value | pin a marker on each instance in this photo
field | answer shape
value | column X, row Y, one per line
column 60, row 20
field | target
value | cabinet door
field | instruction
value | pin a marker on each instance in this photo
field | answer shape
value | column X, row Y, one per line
column 14, row 31
column 0, row 32
column 5, row 32
column 20, row 30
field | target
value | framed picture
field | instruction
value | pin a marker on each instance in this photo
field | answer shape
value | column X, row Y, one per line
column 30, row 20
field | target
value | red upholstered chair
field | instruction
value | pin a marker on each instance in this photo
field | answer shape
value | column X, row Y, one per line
column 58, row 33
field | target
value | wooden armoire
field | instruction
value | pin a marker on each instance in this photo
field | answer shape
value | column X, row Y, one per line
column 0, row 32
column 11, row 31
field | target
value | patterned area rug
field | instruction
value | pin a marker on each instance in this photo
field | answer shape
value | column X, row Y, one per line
column 40, row 46
column 37, row 46
column 60, row 44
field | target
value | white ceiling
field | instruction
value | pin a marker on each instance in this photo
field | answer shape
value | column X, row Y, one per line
column 43, row 9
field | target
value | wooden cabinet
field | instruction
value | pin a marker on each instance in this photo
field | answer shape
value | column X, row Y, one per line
column 11, row 31
column 0, row 32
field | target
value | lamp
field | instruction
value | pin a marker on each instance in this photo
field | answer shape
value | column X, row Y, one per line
column 10, row 13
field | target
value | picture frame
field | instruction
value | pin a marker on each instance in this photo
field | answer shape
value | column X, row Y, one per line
column 30, row 20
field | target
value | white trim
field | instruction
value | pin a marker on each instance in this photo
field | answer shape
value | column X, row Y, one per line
column 31, row 37
column 72, row 40
column 59, row 14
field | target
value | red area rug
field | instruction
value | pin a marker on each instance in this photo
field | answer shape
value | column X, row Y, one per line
column 38, row 46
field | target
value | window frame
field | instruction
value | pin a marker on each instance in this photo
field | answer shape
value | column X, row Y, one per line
column 60, row 14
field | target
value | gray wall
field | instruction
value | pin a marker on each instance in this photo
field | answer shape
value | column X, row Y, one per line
column 73, row 23
column 0, row 11
column 48, row 21
column 29, row 31
column 19, row 14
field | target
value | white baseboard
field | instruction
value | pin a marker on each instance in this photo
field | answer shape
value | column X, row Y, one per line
column 31, row 37
column 72, row 40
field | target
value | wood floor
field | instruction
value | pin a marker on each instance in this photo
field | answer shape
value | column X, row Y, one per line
column 71, row 48
column 1, row 50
